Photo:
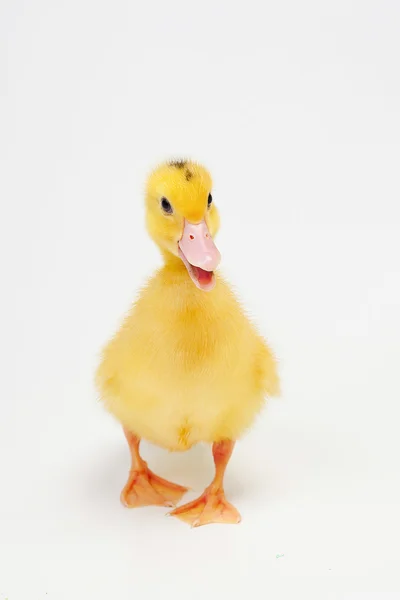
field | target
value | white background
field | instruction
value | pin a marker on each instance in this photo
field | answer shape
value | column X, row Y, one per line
column 295, row 108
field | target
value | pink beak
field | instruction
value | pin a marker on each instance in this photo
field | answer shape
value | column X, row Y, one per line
column 200, row 254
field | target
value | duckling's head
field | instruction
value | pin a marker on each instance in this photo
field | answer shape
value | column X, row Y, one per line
column 182, row 218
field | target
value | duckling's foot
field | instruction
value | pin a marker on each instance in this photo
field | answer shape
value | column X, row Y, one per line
column 144, row 488
column 211, row 507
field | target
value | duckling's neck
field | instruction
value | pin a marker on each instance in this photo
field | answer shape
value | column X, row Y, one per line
column 172, row 262
column 181, row 295
column 174, row 274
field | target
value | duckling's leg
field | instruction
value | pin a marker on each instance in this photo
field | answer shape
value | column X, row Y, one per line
column 212, row 506
column 143, row 486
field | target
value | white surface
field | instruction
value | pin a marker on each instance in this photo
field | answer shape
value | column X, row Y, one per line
column 295, row 107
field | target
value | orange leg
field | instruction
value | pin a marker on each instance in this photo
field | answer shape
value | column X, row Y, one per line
column 212, row 506
column 143, row 487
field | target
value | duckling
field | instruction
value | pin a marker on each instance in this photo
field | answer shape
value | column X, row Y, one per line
column 186, row 366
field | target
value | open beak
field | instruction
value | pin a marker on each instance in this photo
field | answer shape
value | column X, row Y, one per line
column 200, row 254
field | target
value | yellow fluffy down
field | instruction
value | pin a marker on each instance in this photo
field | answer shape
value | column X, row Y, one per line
column 186, row 366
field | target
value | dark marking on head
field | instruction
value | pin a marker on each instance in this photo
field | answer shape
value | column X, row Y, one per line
column 178, row 164
column 188, row 175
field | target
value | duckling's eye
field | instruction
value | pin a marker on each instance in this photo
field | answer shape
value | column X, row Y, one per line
column 209, row 200
column 166, row 206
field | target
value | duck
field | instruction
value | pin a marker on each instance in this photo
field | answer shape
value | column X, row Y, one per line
column 186, row 366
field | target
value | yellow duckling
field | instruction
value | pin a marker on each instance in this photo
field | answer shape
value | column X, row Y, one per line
column 186, row 366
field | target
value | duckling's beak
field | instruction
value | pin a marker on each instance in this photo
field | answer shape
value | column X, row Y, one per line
column 200, row 254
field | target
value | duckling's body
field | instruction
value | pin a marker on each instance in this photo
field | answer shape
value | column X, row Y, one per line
column 186, row 366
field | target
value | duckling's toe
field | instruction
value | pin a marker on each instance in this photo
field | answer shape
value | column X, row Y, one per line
column 210, row 507
column 144, row 488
